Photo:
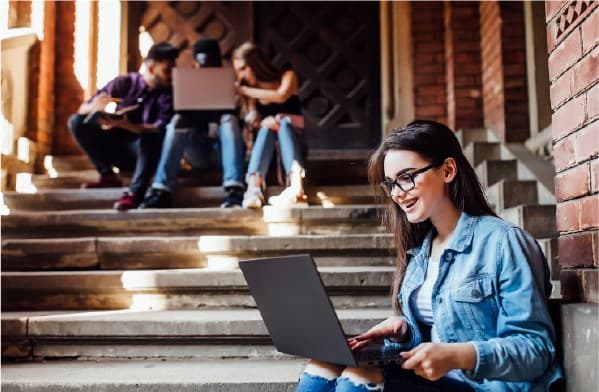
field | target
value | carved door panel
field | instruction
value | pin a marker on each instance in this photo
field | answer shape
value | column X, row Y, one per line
column 184, row 22
column 334, row 48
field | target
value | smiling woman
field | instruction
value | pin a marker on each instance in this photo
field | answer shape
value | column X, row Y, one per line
column 470, row 290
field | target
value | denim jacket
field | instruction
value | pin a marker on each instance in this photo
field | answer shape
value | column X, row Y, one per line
column 492, row 291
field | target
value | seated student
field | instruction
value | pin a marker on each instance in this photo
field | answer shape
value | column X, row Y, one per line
column 274, row 107
column 131, row 142
column 472, row 289
column 188, row 135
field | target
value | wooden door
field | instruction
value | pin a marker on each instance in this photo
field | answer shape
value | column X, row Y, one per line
column 334, row 48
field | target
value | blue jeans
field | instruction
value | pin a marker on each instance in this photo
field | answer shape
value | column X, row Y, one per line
column 396, row 379
column 291, row 143
column 119, row 148
column 201, row 152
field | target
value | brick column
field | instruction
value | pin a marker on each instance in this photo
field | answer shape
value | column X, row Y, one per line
column 573, row 63
column 429, row 61
column 505, row 97
column 463, row 65
column 68, row 91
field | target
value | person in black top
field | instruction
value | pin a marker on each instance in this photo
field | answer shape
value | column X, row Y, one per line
column 271, row 105
column 205, row 138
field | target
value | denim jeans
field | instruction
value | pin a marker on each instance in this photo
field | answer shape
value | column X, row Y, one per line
column 396, row 379
column 291, row 143
column 119, row 148
column 201, row 152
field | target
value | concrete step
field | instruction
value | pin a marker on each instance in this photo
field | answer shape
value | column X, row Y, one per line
column 157, row 334
column 269, row 220
column 149, row 252
column 349, row 287
column 509, row 193
column 332, row 167
column 189, row 375
column 470, row 135
column 539, row 220
column 476, row 152
column 491, row 171
column 187, row 197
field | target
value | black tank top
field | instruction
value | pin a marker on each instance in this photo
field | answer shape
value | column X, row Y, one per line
column 291, row 106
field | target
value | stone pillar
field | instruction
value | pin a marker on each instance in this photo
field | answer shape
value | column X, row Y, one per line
column 429, row 61
column 504, row 85
column 463, row 65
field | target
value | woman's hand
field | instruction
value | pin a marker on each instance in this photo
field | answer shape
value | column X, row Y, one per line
column 271, row 123
column 394, row 327
column 434, row 360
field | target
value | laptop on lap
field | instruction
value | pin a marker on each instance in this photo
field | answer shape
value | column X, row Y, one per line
column 203, row 88
column 299, row 315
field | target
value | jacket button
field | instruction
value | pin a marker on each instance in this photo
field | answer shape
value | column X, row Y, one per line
column 439, row 300
column 448, row 256
column 475, row 293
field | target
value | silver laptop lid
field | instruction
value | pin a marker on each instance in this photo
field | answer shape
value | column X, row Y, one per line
column 296, row 309
column 204, row 88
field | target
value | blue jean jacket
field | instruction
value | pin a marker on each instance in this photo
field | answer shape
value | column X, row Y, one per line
column 492, row 291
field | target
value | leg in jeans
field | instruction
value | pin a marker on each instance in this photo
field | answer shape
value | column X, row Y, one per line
column 324, row 377
column 291, row 146
column 147, row 151
column 262, row 152
column 104, row 148
column 175, row 142
column 231, row 151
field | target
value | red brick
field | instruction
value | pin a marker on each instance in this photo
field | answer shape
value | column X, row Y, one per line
column 576, row 250
column 560, row 89
column 593, row 102
column 586, row 143
column 596, row 249
column 565, row 54
column 590, row 285
column 568, row 117
column 551, row 37
column 571, row 285
column 585, row 72
column 590, row 31
column 589, row 212
column 567, row 216
column 595, row 175
column 572, row 183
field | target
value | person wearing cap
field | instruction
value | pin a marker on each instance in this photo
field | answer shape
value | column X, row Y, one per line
column 131, row 138
column 206, row 139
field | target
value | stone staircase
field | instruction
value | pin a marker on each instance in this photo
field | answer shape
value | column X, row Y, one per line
column 94, row 299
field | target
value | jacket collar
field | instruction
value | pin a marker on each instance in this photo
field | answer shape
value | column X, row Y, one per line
column 462, row 237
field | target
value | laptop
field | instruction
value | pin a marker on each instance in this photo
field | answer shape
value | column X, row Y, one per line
column 204, row 88
column 299, row 315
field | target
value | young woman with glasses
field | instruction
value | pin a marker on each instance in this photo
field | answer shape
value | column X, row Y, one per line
column 470, row 290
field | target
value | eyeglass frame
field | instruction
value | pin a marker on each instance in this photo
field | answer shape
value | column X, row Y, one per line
column 389, row 189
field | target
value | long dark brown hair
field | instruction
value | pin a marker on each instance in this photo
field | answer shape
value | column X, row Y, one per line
column 434, row 142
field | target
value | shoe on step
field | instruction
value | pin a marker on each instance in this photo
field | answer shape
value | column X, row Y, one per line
column 157, row 198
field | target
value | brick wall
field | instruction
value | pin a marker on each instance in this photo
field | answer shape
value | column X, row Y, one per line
column 463, row 65
column 68, row 91
column 504, row 88
column 429, row 61
column 573, row 45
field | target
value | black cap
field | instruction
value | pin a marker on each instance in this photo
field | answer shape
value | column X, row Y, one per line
column 162, row 51
column 211, row 51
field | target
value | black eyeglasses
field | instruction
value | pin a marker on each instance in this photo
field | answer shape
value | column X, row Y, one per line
column 404, row 181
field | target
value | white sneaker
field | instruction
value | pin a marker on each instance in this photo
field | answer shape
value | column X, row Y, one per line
column 288, row 198
column 253, row 198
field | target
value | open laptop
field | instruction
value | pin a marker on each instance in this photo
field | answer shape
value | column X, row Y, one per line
column 204, row 88
column 299, row 315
